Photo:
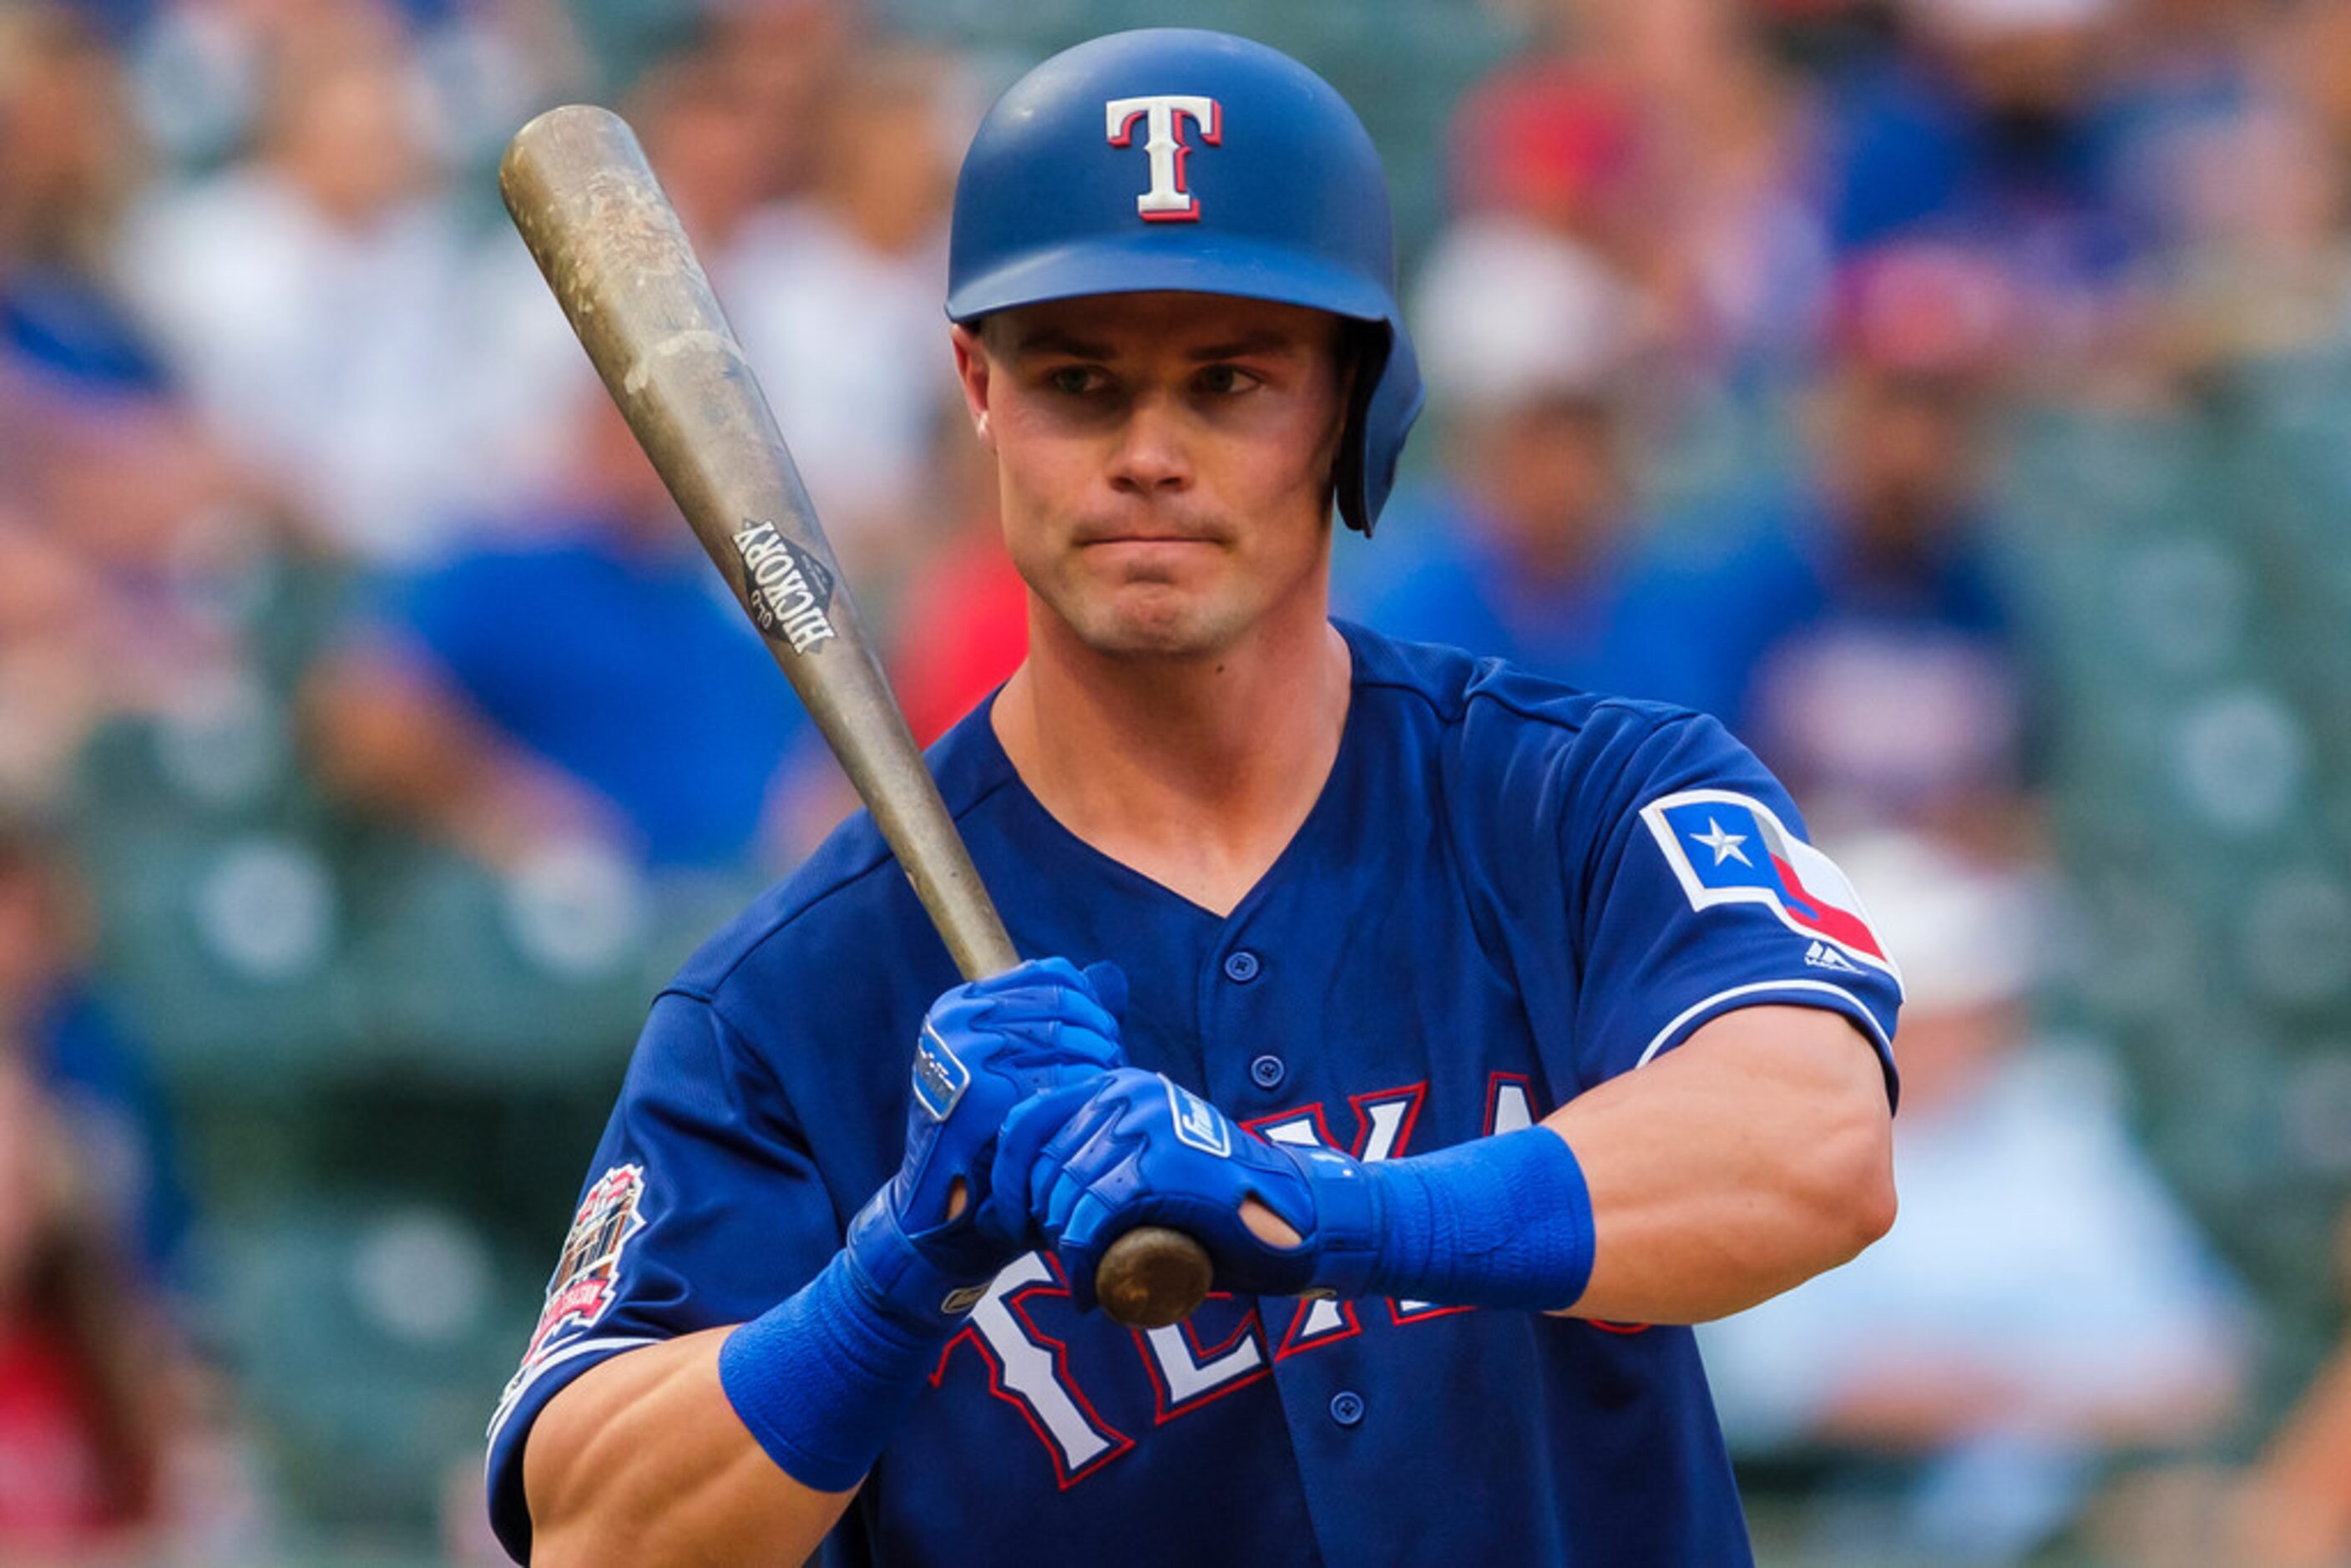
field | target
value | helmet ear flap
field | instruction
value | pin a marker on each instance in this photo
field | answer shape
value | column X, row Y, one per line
column 1364, row 349
column 1383, row 403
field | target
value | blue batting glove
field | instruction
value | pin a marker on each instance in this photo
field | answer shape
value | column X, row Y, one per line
column 1134, row 1148
column 984, row 1048
column 1496, row 1222
column 822, row 1379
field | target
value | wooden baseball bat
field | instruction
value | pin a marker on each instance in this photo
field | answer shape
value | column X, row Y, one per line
column 579, row 189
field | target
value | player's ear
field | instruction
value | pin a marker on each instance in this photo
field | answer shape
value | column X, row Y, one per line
column 974, row 373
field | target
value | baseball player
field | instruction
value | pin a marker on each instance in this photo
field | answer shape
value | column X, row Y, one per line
column 1483, row 1030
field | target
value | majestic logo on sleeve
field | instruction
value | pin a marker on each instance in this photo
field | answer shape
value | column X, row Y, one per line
column 789, row 589
column 1727, row 848
column 1162, row 115
column 582, row 1286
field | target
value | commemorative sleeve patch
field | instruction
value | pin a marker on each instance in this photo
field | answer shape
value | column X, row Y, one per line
column 1729, row 848
column 582, row 1286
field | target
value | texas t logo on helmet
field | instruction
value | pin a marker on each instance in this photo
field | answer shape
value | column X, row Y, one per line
column 1167, row 200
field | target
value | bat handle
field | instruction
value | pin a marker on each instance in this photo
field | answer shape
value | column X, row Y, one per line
column 1152, row 1276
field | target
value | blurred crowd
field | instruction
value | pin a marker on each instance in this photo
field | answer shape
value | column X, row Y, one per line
column 1733, row 308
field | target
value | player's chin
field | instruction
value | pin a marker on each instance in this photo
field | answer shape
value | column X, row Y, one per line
column 1156, row 624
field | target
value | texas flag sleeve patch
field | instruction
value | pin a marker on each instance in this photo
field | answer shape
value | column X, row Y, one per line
column 1729, row 848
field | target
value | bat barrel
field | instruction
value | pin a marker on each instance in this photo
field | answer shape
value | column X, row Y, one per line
column 610, row 246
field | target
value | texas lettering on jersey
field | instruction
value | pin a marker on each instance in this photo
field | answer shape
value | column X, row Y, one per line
column 1223, row 1347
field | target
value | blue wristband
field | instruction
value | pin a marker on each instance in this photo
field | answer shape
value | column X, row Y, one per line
column 1503, row 1221
column 824, row 1377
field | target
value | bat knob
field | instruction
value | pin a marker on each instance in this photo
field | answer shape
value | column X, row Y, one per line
column 1152, row 1277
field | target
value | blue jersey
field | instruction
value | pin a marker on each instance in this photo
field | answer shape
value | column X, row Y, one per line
column 1507, row 892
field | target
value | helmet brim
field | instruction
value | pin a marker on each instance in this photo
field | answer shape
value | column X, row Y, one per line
column 1146, row 263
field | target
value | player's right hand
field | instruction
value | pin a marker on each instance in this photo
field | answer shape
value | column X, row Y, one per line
column 983, row 1049
column 1137, row 1149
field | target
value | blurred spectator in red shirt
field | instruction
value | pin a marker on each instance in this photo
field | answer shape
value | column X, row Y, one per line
column 95, row 1382
column 1670, row 139
column 80, row 1440
column 115, row 1438
column 1551, row 140
column 963, row 623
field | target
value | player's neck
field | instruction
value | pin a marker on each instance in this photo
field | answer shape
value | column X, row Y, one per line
column 1196, row 774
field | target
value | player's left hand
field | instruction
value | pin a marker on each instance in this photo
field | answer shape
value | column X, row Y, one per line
column 984, row 1047
column 1141, row 1150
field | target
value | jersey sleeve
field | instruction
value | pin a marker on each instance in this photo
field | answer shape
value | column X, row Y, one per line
column 1695, row 891
column 703, row 1207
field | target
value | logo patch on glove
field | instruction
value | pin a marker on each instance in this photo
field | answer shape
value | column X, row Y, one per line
column 940, row 1078
column 959, row 1301
column 1199, row 1123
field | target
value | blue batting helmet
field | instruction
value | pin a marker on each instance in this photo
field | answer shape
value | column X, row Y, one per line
column 1174, row 159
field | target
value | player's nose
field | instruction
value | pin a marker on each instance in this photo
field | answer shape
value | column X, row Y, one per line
column 1152, row 454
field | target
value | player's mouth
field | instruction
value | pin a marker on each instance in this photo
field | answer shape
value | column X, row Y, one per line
column 1147, row 541
column 1145, row 534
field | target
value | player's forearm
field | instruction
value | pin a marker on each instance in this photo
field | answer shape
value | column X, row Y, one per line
column 1756, row 1155
column 642, row 1459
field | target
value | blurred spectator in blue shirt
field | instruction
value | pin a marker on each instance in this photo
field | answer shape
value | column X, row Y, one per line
column 52, row 1020
column 1523, row 548
column 2239, row 140
column 69, row 160
column 580, row 676
column 1858, row 636
column 116, row 505
column 1989, row 129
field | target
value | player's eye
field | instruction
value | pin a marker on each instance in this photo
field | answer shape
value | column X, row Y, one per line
column 1075, row 380
column 1225, row 381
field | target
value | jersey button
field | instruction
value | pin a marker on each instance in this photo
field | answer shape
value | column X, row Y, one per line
column 1241, row 965
column 1267, row 1072
column 1347, row 1407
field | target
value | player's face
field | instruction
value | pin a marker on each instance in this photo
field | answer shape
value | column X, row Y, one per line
column 1163, row 461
